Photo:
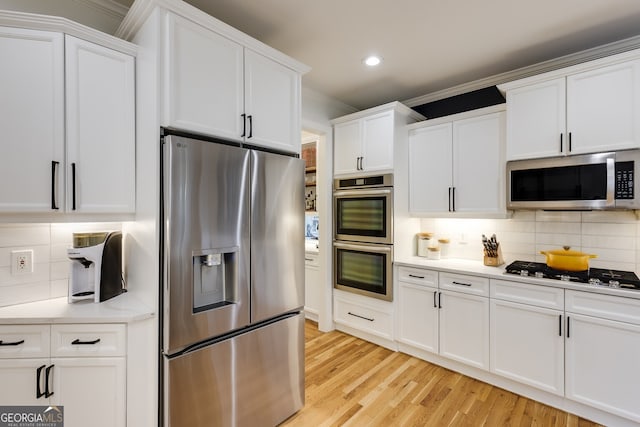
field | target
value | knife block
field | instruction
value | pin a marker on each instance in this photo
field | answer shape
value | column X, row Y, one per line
column 494, row 261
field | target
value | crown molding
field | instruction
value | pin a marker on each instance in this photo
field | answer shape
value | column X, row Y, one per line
column 107, row 7
column 595, row 53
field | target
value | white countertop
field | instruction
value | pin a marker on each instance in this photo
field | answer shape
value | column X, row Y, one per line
column 124, row 308
column 465, row 266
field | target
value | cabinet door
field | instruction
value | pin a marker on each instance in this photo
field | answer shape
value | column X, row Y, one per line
column 100, row 87
column 32, row 120
column 464, row 328
column 603, row 108
column 536, row 120
column 418, row 316
column 527, row 345
column 602, row 367
column 18, row 381
column 347, row 147
column 312, row 290
column 204, row 81
column 478, row 165
column 91, row 389
column 377, row 142
column 272, row 103
column 430, row 169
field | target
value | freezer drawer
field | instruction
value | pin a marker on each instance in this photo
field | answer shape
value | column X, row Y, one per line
column 256, row 378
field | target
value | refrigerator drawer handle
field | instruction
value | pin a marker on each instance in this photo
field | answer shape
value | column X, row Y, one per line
column 78, row 342
column 361, row 317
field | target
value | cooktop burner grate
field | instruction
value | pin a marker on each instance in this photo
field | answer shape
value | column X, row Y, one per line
column 593, row 276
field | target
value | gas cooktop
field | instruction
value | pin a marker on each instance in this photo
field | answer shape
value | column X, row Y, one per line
column 592, row 276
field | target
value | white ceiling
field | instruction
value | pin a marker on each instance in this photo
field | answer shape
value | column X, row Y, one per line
column 427, row 45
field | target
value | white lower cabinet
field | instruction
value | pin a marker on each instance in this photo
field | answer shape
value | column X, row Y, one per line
column 435, row 318
column 312, row 286
column 357, row 313
column 602, row 351
column 79, row 367
column 527, row 338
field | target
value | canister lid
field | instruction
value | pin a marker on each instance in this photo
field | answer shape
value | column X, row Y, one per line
column 425, row 235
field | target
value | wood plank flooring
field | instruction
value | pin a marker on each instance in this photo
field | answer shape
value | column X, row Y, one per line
column 352, row 382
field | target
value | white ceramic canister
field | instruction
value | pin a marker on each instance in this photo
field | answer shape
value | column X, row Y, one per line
column 424, row 241
column 433, row 252
column 444, row 247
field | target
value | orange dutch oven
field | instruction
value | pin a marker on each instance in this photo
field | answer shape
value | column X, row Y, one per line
column 566, row 259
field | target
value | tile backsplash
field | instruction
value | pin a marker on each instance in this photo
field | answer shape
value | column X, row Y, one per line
column 50, row 263
column 613, row 236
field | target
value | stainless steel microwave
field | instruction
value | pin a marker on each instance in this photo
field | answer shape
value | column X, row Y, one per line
column 584, row 182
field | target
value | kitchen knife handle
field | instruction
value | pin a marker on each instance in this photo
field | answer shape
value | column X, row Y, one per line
column 250, row 117
column 39, row 394
column 54, row 174
column 561, row 145
column 47, row 371
column 73, row 186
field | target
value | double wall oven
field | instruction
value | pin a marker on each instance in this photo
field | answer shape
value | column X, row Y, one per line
column 363, row 233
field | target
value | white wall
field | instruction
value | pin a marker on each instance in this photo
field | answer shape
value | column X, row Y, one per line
column 613, row 236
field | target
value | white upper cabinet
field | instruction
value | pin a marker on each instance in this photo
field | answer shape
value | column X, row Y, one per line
column 31, row 119
column 583, row 109
column 218, row 87
column 100, row 87
column 456, row 167
column 365, row 142
column 68, row 111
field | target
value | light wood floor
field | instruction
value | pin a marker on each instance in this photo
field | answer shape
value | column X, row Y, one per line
column 353, row 382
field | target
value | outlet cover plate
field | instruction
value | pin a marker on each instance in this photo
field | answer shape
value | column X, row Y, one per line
column 21, row 262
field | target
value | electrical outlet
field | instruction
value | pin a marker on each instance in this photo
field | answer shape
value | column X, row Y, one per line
column 22, row 262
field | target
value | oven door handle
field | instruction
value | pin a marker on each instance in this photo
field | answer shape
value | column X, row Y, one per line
column 383, row 249
column 611, row 181
column 359, row 193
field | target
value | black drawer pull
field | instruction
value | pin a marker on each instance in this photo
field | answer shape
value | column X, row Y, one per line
column 416, row 277
column 11, row 343
column 308, row 259
column 461, row 283
column 361, row 317
column 78, row 342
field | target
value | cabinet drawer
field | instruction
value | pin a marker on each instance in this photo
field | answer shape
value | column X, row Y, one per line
column 462, row 283
column 603, row 306
column 418, row 276
column 540, row 296
column 311, row 259
column 88, row 340
column 20, row 341
column 364, row 318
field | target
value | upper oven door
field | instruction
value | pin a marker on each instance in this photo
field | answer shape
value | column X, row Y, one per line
column 364, row 215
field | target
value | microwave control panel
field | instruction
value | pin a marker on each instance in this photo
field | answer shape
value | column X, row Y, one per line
column 624, row 180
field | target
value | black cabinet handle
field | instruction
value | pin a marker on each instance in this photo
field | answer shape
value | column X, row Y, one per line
column 78, row 342
column 47, row 374
column 416, row 277
column 450, row 199
column 434, row 299
column 439, row 299
column 568, row 326
column 244, row 124
column 250, row 117
column 560, row 325
column 2, row 343
column 453, row 200
column 39, row 394
column 561, row 145
column 73, row 186
column 54, row 196
column 361, row 317
column 461, row 283
column 569, row 141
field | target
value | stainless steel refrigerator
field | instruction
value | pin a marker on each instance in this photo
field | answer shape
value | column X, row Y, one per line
column 232, row 328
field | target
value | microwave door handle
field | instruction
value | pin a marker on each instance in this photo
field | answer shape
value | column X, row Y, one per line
column 611, row 181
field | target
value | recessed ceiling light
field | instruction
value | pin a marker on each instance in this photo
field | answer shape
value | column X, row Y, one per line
column 372, row 60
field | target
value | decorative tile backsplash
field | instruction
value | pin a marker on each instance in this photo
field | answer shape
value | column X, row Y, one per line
column 613, row 236
column 49, row 243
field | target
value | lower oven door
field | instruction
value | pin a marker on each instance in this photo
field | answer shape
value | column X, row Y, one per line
column 363, row 269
